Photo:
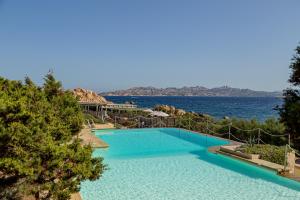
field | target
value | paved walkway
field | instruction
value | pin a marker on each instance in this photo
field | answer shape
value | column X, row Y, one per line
column 104, row 126
column 89, row 138
column 76, row 196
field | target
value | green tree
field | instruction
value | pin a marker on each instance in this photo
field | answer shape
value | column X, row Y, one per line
column 40, row 154
column 290, row 111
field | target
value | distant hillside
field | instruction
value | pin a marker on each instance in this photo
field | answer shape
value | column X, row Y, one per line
column 192, row 91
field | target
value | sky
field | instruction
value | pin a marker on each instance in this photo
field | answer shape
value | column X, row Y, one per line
column 106, row 45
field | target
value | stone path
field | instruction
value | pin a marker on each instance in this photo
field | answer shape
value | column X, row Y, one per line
column 76, row 196
column 89, row 138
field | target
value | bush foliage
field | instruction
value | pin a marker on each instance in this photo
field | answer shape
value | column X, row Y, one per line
column 270, row 153
column 39, row 154
column 91, row 118
column 290, row 111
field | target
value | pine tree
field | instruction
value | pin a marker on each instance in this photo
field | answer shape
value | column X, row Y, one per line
column 290, row 110
column 39, row 153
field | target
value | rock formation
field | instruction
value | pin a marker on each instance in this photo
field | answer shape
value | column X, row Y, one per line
column 89, row 96
column 171, row 110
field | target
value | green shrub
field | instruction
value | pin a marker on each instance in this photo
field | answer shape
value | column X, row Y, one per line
column 91, row 117
column 39, row 153
column 267, row 152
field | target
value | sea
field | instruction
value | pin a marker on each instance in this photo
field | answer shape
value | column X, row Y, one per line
column 260, row 108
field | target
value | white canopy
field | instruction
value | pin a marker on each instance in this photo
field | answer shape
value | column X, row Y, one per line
column 159, row 114
column 148, row 110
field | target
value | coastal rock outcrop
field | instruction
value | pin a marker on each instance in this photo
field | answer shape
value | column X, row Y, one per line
column 171, row 110
column 89, row 96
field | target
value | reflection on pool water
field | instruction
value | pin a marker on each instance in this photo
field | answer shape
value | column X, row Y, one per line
column 170, row 163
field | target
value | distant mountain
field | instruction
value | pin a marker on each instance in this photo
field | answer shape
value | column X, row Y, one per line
column 224, row 91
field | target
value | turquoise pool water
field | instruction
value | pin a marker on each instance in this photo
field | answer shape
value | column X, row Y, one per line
column 167, row 163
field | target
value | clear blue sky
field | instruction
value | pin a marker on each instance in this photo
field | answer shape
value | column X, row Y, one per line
column 108, row 44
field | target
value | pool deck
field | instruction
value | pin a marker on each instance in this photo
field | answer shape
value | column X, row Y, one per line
column 104, row 126
column 232, row 144
column 76, row 196
column 88, row 137
column 254, row 161
column 269, row 165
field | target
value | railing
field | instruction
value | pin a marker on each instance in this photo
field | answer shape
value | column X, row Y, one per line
column 253, row 136
column 122, row 106
column 145, row 122
column 94, row 113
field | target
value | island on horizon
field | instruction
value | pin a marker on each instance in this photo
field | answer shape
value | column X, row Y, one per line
column 223, row 91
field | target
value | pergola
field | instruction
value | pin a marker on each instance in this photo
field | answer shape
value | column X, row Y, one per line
column 99, row 109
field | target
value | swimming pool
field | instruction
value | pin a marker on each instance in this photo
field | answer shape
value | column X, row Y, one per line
column 170, row 163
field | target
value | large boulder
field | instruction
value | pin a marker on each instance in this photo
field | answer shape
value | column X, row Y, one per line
column 179, row 112
column 89, row 96
column 171, row 110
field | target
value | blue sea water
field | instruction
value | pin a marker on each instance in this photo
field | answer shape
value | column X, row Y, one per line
column 174, row 164
column 260, row 108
